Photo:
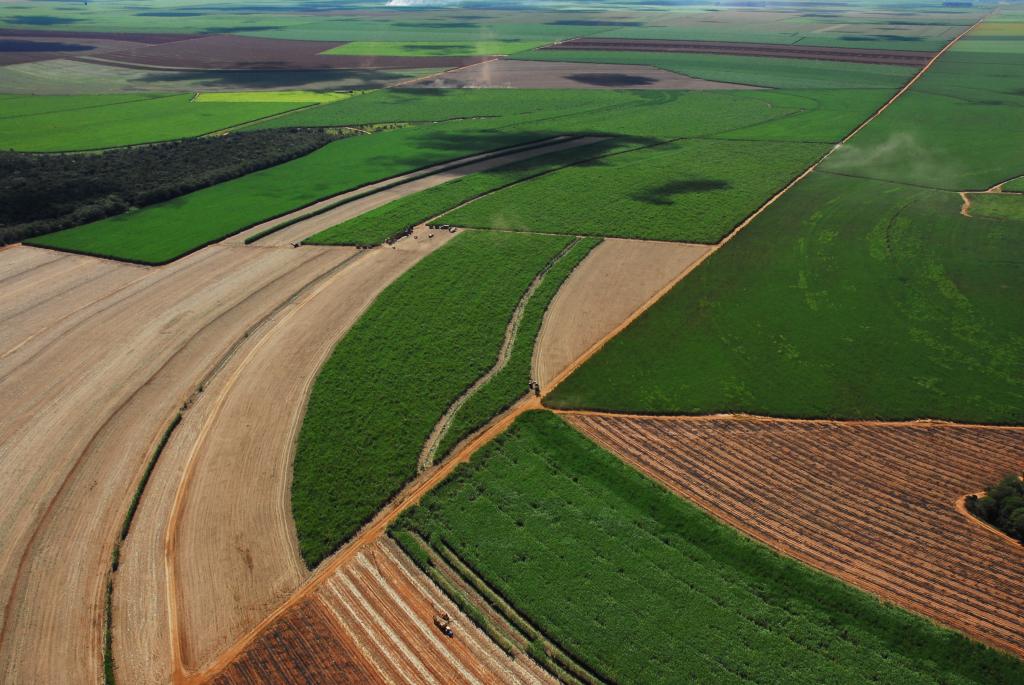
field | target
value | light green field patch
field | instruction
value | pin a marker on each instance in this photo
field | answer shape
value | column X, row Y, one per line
column 1008, row 206
column 297, row 96
column 433, row 49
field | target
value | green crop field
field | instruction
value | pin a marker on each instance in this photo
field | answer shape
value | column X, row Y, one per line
column 998, row 206
column 767, row 72
column 942, row 134
column 507, row 385
column 847, row 298
column 377, row 225
column 304, row 97
column 421, row 48
column 422, row 343
column 164, row 232
column 642, row 587
column 1016, row 185
column 121, row 121
column 690, row 190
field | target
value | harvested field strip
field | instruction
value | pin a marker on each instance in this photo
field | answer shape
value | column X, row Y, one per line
column 544, row 515
column 510, row 382
column 126, row 362
column 305, row 645
column 376, row 226
column 387, row 606
column 423, row 342
column 887, row 524
column 614, row 281
column 900, row 57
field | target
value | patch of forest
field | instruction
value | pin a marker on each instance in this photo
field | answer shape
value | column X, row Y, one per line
column 43, row 193
column 1001, row 506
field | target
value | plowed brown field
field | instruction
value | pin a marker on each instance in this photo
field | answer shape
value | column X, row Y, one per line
column 615, row 280
column 303, row 646
column 872, row 504
column 868, row 56
column 380, row 607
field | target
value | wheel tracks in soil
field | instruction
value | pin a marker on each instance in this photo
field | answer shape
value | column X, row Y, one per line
column 428, row 479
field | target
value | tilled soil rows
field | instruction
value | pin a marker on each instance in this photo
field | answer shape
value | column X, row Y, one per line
column 906, row 57
column 872, row 504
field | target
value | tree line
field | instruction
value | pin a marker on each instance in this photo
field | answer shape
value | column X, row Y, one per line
column 43, row 193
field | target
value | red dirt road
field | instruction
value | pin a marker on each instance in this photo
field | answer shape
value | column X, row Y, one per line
column 872, row 504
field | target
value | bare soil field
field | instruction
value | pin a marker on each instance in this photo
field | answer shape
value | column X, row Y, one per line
column 231, row 52
column 387, row 606
column 236, row 554
column 305, row 646
column 383, row 193
column 88, row 398
column 872, row 504
column 615, row 280
column 864, row 56
column 523, row 74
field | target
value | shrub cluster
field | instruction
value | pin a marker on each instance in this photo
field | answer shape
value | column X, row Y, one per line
column 1002, row 506
column 43, row 193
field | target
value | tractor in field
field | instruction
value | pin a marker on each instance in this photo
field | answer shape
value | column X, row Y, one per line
column 444, row 623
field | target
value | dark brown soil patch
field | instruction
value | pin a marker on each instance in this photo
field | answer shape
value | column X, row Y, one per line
column 866, row 56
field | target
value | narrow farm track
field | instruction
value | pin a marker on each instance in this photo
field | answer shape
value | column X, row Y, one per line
column 427, row 480
column 87, row 398
column 369, row 197
column 871, row 503
column 428, row 453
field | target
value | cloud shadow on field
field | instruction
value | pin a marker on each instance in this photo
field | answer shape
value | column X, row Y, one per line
column 663, row 194
column 40, row 20
column 612, row 80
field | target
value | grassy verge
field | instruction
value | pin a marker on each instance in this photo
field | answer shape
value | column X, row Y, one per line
column 426, row 339
column 998, row 206
column 511, row 382
column 847, row 298
column 639, row 586
column 378, row 225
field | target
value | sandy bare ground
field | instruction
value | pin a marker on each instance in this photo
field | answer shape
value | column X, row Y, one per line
column 524, row 74
column 404, row 185
column 615, row 280
column 387, row 606
column 873, row 504
column 84, row 404
column 236, row 555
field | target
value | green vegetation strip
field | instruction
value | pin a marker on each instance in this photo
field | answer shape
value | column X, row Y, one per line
column 395, row 218
column 640, row 586
column 847, row 299
column 688, row 190
column 167, row 231
column 510, row 383
column 114, row 121
column 998, row 206
column 422, row 343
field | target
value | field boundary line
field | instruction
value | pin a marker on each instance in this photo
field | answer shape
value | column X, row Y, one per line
column 441, row 428
column 759, row 418
column 596, row 347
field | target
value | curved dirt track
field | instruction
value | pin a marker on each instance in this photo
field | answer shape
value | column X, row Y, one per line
column 873, row 504
column 87, row 398
column 392, row 189
column 615, row 280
